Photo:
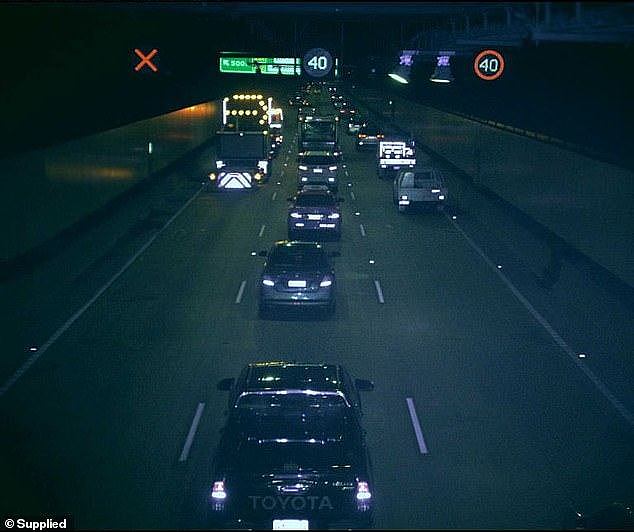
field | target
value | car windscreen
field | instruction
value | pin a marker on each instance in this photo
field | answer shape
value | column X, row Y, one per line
column 315, row 200
column 318, row 130
column 422, row 179
column 298, row 257
column 271, row 455
column 370, row 130
column 288, row 402
column 317, row 160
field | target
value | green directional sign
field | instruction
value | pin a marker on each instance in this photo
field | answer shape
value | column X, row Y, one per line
column 287, row 66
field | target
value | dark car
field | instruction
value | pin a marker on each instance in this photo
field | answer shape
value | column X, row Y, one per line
column 297, row 274
column 369, row 136
column 292, row 454
column 314, row 211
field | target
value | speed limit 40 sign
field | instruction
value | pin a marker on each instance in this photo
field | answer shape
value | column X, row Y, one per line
column 488, row 65
column 317, row 62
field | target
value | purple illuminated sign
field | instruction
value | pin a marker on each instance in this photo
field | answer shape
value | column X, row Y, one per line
column 406, row 59
column 443, row 60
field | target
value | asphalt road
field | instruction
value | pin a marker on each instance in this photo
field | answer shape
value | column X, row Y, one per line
column 514, row 431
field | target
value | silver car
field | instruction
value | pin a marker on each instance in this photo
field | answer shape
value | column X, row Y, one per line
column 318, row 168
column 297, row 274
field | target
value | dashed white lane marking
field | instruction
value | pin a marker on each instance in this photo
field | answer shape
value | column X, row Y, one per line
column 362, row 229
column 379, row 292
column 616, row 403
column 261, row 231
column 352, row 195
column 240, row 291
column 192, row 432
column 422, row 447
column 69, row 322
column 274, row 195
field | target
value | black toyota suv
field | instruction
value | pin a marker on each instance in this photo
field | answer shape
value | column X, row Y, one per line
column 292, row 454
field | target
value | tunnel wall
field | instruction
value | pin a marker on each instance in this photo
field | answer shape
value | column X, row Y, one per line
column 587, row 203
column 44, row 192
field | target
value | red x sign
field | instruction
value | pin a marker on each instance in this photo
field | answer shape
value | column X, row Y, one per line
column 145, row 59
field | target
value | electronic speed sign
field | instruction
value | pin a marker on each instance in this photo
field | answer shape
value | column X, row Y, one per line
column 317, row 62
column 488, row 65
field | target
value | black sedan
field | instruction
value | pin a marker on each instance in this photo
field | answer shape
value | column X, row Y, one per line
column 292, row 454
column 297, row 274
column 314, row 212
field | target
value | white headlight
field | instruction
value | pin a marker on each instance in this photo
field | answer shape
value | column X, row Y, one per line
column 302, row 167
column 295, row 215
column 331, row 168
column 326, row 282
column 334, row 215
column 268, row 282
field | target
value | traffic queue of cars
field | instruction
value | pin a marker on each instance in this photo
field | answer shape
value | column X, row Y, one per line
column 298, row 272
column 293, row 455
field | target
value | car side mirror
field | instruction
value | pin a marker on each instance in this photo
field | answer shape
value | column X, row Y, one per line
column 364, row 385
column 263, row 253
column 225, row 384
column 335, row 254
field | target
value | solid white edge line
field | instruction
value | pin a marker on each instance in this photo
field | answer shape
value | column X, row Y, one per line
column 192, row 432
column 352, row 195
column 379, row 292
column 417, row 430
column 240, row 291
column 616, row 403
column 261, row 231
column 69, row 322
column 362, row 229
column 274, row 196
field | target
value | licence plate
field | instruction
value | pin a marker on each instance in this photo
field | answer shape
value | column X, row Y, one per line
column 318, row 170
column 314, row 216
column 290, row 524
column 297, row 284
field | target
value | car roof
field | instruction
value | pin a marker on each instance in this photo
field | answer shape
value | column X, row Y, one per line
column 315, row 192
column 296, row 244
column 279, row 375
column 319, row 153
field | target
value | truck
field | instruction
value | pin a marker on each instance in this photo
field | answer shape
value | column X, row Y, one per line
column 393, row 155
column 319, row 133
column 243, row 159
column 418, row 187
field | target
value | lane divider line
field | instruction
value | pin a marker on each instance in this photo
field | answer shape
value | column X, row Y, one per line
column 192, row 432
column 240, row 292
column 69, row 322
column 261, row 231
column 422, row 447
column 274, row 196
column 616, row 403
column 379, row 292
column 352, row 195
column 362, row 229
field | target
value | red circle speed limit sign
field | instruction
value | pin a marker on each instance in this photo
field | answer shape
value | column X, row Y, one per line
column 489, row 65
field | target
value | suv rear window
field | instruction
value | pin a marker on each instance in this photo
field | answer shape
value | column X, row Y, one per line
column 315, row 200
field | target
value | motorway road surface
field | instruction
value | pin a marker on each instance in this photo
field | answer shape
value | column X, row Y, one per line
column 479, row 419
